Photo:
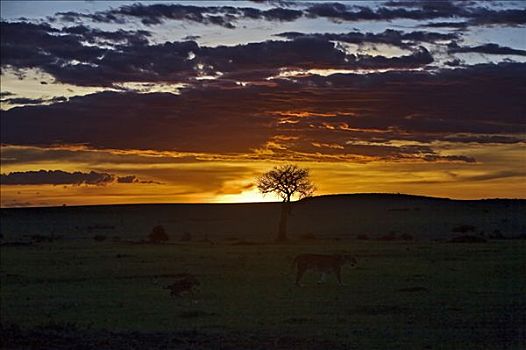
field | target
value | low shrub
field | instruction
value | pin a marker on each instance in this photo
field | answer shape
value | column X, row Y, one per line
column 46, row 238
column 464, row 228
column 158, row 234
column 388, row 237
column 308, row 236
column 468, row 239
column 406, row 237
column 186, row 237
column 497, row 234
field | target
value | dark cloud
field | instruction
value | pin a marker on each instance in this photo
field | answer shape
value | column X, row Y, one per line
column 389, row 37
column 70, row 51
column 490, row 49
column 454, row 63
column 59, row 177
column 457, row 25
column 127, row 179
column 26, row 45
column 421, row 10
column 173, row 122
column 154, row 14
column 130, row 179
column 471, row 10
column 191, row 37
column 304, row 53
column 32, row 101
column 419, row 58
column 56, row 177
column 301, row 52
column 22, row 100
column 467, row 138
column 68, row 60
column 496, row 175
column 342, row 115
column 4, row 94
column 510, row 17
column 445, row 102
column 337, row 149
column 227, row 16
column 342, row 12
column 92, row 157
column 97, row 36
column 281, row 14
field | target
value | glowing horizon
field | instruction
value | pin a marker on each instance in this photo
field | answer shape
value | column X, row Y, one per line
column 103, row 105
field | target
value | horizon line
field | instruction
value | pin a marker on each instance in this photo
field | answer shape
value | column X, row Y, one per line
column 269, row 202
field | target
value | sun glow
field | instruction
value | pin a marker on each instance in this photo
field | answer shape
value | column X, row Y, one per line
column 248, row 196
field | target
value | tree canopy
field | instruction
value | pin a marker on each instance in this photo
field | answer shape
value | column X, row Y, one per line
column 286, row 181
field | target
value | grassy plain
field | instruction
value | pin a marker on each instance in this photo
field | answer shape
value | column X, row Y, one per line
column 402, row 295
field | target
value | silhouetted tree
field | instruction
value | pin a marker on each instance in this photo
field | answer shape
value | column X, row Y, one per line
column 158, row 234
column 286, row 181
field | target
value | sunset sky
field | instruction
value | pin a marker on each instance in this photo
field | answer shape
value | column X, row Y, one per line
column 181, row 101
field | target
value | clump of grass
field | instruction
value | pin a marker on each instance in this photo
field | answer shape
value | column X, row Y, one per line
column 464, row 228
column 196, row 314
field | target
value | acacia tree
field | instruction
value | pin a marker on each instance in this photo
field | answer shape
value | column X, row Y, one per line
column 286, row 181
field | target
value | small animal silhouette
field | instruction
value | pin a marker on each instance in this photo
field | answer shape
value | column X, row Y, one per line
column 323, row 263
column 183, row 285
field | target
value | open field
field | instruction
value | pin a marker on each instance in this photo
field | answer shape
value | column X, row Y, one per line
column 402, row 295
column 338, row 216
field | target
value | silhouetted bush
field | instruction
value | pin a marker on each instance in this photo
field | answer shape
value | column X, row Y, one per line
column 99, row 238
column 183, row 285
column 497, row 235
column 158, row 234
column 464, row 228
column 196, row 314
column 308, row 236
column 406, row 237
column 186, row 237
column 101, row 227
column 362, row 237
column 244, row 242
column 46, row 238
column 205, row 239
column 468, row 239
column 389, row 237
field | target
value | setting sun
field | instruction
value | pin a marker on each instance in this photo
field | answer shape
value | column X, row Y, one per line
column 250, row 196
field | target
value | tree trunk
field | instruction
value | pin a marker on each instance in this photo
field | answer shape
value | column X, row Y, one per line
column 282, row 230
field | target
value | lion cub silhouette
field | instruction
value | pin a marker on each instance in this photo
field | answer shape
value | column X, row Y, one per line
column 322, row 263
column 183, row 285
